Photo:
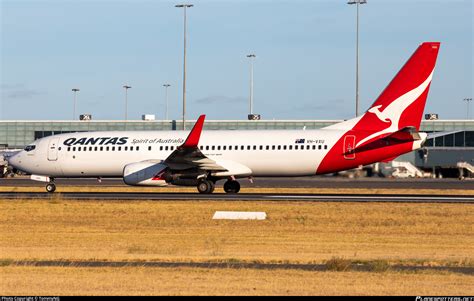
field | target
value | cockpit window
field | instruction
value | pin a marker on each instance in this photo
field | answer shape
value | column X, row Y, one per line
column 29, row 148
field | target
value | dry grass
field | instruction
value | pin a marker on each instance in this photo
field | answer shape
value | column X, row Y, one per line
column 172, row 189
column 295, row 232
column 195, row 281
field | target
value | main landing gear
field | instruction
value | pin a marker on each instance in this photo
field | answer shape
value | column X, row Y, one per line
column 50, row 187
column 207, row 186
column 231, row 186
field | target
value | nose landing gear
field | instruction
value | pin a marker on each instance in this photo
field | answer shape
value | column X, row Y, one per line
column 50, row 187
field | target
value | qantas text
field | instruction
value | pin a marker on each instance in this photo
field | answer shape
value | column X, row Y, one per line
column 96, row 141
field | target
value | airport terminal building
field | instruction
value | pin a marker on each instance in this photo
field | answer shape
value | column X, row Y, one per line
column 443, row 152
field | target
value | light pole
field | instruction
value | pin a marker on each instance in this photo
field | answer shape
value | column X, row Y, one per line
column 251, row 58
column 126, row 87
column 184, row 6
column 467, row 100
column 75, row 90
column 166, row 100
column 357, row 2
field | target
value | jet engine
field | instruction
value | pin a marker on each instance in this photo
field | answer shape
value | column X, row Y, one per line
column 145, row 173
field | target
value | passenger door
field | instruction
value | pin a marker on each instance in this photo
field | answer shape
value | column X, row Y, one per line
column 53, row 149
column 349, row 146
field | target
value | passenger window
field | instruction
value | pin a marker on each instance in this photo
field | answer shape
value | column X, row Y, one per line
column 95, row 148
column 131, row 148
column 241, row 147
column 119, row 148
column 261, row 147
column 254, row 147
column 290, row 147
column 161, row 148
column 248, row 147
column 279, row 147
column 113, row 148
column 101, row 148
column 166, row 148
column 267, row 147
column 68, row 148
column 138, row 148
column 325, row 147
column 308, row 146
column 149, row 148
column 107, row 148
column 273, row 147
column 224, row 147
column 74, row 149
column 213, row 147
column 236, row 147
column 230, row 147
column 78, row 148
column 319, row 146
column 218, row 147
column 207, row 147
column 284, row 147
column 314, row 146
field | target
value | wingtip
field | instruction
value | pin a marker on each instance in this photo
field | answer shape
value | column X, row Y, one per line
column 432, row 44
column 195, row 134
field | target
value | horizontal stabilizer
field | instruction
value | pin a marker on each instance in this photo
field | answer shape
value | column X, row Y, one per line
column 440, row 134
column 406, row 134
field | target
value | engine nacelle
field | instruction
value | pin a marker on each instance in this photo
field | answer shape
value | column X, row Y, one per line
column 145, row 173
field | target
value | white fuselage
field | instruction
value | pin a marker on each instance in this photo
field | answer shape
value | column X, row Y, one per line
column 265, row 153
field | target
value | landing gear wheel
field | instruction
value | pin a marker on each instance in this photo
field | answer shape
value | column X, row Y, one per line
column 50, row 187
column 232, row 186
column 205, row 186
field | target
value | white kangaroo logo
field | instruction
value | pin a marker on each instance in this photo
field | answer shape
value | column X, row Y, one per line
column 394, row 110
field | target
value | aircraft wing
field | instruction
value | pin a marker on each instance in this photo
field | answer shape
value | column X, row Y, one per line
column 188, row 155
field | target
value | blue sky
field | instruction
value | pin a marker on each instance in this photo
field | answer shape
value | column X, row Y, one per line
column 305, row 65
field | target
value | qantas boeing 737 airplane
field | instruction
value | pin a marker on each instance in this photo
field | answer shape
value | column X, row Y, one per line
column 388, row 129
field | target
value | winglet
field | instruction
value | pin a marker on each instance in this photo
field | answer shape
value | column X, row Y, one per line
column 195, row 134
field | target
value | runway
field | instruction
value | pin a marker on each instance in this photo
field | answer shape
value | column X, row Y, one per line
column 294, row 182
column 334, row 183
column 186, row 197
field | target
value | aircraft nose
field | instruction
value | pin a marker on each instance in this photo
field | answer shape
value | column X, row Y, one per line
column 15, row 161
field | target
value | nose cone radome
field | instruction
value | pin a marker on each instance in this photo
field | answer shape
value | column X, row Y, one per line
column 15, row 160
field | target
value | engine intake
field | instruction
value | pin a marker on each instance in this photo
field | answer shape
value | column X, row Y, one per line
column 145, row 173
